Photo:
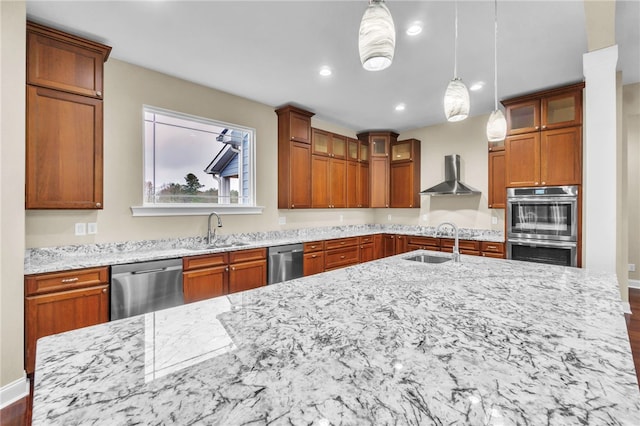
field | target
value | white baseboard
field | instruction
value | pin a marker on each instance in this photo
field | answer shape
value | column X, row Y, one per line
column 634, row 284
column 14, row 391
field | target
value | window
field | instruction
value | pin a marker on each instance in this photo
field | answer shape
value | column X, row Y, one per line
column 196, row 162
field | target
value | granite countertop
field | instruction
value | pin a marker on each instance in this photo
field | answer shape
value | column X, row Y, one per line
column 481, row 342
column 53, row 259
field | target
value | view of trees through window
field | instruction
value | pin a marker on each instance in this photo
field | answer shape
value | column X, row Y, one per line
column 194, row 160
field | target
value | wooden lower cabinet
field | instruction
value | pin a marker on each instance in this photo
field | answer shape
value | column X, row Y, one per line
column 341, row 252
column 490, row 249
column 247, row 275
column 205, row 283
column 63, row 301
column 469, row 247
column 213, row 275
column 388, row 245
column 313, row 263
column 423, row 243
column 401, row 244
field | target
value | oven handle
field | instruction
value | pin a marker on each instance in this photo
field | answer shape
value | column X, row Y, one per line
column 540, row 243
column 541, row 200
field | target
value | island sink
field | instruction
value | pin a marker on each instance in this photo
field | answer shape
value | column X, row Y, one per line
column 426, row 258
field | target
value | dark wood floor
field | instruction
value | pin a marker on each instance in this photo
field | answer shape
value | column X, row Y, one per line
column 19, row 413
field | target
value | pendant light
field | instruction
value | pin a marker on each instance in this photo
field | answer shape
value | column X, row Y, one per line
column 497, row 125
column 377, row 37
column 456, row 97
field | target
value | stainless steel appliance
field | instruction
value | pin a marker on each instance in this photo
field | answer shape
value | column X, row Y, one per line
column 138, row 288
column 285, row 263
column 542, row 224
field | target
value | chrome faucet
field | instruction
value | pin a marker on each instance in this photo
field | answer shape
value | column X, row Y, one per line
column 211, row 236
column 456, row 250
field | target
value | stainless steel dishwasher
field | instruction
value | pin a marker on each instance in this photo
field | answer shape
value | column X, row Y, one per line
column 138, row 288
column 285, row 263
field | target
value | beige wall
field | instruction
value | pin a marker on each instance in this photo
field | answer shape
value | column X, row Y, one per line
column 127, row 89
column 631, row 132
column 12, row 172
column 466, row 138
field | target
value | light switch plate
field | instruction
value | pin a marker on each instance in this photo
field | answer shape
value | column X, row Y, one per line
column 81, row 229
column 92, row 228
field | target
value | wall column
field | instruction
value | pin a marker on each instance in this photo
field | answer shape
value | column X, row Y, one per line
column 600, row 169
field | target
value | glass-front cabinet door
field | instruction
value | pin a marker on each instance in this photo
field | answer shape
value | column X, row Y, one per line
column 320, row 142
column 562, row 110
column 401, row 151
column 379, row 146
column 338, row 146
column 364, row 152
column 523, row 117
column 352, row 149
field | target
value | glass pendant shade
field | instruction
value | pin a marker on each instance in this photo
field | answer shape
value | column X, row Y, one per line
column 377, row 37
column 456, row 101
column 496, row 127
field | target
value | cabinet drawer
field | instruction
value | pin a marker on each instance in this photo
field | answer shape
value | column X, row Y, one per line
column 462, row 244
column 313, row 263
column 341, row 257
column 493, row 255
column 204, row 261
column 312, row 246
column 492, row 247
column 67, row 280
column 341, row 242
column 365, row 239
column 424, row 242
column 247, row 255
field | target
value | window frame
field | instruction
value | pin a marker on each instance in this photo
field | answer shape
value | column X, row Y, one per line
column 198, row 209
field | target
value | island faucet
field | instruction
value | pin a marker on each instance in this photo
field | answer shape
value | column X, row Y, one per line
column 211, row 236
column 456, row 251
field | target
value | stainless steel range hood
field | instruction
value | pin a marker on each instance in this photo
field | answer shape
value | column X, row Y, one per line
column 451, row 184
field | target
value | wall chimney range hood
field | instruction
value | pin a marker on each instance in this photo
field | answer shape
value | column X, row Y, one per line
column 452, row 184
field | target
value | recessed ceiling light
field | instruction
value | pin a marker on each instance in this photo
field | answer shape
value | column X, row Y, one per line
column 400, row 107
column 476, row 86
column 325, row 71
column 414, row 29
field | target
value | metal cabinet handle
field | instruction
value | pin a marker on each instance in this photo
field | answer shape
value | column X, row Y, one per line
column 341, row 257
column 341, row 242
column 313, row 256
column 70, row 280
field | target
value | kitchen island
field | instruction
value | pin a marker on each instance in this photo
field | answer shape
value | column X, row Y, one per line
column 392, row 341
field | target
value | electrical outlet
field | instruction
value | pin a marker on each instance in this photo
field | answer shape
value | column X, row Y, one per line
column 282, row 220
column 494, row 220
column 632, row 267
column 92, row 228
column 81, row 229
column 425, row 217
column 388, row 217
column 341, row 218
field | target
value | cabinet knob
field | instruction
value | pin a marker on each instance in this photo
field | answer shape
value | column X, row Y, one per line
column 98, row 204
column 104, row 290
column 313, row 256
column 544, row 127
column 543, row 183
column 490, row 205
column 341, row 257
column 226, row 269
column 233, row 268
column 98, row 93
column 293, row 205
column 536, row 183
column 537, row 127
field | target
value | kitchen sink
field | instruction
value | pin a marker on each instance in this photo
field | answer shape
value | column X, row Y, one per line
column 219, row 245
column 426, row 258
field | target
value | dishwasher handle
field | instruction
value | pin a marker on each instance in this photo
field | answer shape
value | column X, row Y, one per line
column 149, row 271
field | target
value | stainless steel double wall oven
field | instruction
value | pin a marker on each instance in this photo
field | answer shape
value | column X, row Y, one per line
column 542, row 224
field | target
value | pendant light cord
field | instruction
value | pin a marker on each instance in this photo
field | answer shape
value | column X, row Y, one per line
column 455, row 45
column 495, row 57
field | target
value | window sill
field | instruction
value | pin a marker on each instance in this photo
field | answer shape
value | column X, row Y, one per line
column 189, row 210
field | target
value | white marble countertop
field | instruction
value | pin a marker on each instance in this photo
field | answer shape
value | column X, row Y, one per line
column 53, row 259
column 481, row 342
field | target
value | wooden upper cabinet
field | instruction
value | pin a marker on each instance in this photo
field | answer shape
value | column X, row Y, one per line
column 404, row 174
column 497, row 180
column 329, row 144
column 523, row 159
column 63, row 150
column 550, row 109
column 61, row 61
column 64, row 164
column 378, row 153
column 294, row 158
column 561, row 156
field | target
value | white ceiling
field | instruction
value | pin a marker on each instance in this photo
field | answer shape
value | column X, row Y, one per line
column 271, row 51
